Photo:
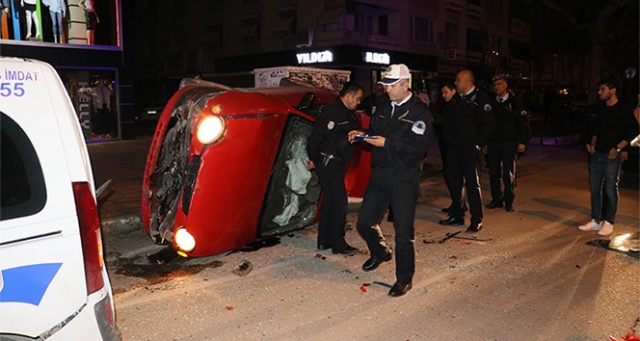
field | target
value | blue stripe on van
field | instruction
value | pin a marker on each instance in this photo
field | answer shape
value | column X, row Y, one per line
column 27, row 284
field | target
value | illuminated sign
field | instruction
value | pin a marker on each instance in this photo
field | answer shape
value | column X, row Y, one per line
column 315, row 57
column 377, row 58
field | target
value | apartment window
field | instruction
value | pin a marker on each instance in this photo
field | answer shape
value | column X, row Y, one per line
column 422, row 30
column 214, row 35
column 451, row 35
column 332, row 12
column 372, row 23
column 383, row 25
column 493, row 5
column 474, row 41
column 250, row 28
column 287, row 22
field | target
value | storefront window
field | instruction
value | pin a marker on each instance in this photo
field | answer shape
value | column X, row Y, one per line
column 81, row 22
column 94, row 96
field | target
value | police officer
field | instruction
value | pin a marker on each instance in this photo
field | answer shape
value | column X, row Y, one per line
column 468, row 129
column 329, row 150
column 399, row 136
column 511, row 135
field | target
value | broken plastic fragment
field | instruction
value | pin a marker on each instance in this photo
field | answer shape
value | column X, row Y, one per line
column 626, row 242
column 229, row 307
column 363, row 289
column 628, row 337
column 243, row 268
column 366, row 284
column 453, row 257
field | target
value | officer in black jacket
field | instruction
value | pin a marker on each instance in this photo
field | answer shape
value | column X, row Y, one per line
column 329, row 150
column 468, row 129
column 399, row 135
column 511, row 135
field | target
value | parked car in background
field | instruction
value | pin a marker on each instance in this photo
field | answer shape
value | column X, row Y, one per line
column 227, row 167
column 53, row 282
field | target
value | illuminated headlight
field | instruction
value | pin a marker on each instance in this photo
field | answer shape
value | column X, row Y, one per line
column 184, row 240
column 210, row 129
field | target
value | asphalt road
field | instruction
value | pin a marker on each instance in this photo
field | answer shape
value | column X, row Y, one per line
column 533, row 277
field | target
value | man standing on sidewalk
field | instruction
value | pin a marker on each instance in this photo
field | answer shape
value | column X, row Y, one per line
column 399, row 136
column 329, row 150
column 511, row 135
column 468, row 130
column 615, row 127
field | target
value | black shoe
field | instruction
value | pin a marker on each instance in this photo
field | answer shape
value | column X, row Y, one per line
column 451, row 221
column 399, row 289
column 494, row 204
column 474, row 227
column 348, row 250
column 373, row 262
column 508, row 207
column 448, row 209
column 323, row 247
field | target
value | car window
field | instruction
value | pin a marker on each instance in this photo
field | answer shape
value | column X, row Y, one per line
column 291, row 200
column 23, row 189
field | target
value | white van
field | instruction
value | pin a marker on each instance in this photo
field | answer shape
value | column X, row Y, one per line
column 53, row 282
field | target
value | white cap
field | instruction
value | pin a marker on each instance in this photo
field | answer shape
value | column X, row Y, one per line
column 395, row 73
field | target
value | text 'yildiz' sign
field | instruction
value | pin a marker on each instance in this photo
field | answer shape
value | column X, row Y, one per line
column 315, row 57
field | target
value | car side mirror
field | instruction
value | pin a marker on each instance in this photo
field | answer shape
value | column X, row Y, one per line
column 307, row 101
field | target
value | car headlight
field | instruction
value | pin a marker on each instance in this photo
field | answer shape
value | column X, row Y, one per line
column 184, row 241
column 210, row 129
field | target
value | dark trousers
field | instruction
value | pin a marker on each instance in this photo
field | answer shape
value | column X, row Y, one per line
column 604, row 174
column 397, row 188
column 462, row 171
column 502, row 165
column 333, row 208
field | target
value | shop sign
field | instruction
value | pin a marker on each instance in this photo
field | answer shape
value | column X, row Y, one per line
column 377, row 58
column 315, row 57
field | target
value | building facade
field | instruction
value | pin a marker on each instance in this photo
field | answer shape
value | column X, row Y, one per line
column 227, row 39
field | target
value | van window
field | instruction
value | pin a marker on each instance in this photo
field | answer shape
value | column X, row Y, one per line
column 23, row 189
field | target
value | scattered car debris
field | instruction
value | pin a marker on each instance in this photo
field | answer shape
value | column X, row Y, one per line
column 475, row 239
column 628, row 337
column 623, row 244
column 386, row 285
column 255, row 246
column 243, row 268
column 451, row 235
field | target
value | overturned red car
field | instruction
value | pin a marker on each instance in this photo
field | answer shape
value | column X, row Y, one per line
column 227, row 167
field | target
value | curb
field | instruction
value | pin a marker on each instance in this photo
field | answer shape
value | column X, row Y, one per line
column 556, row 140
column 122, row 224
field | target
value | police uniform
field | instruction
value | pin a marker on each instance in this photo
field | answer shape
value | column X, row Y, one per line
column 395, row 179
column 329, row 149
column 468, row 129
column 511, row 128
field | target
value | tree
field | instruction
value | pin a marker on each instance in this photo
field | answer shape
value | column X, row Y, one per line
column 601, row 35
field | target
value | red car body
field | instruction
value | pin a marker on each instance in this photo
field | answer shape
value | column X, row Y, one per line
column 231, row 192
